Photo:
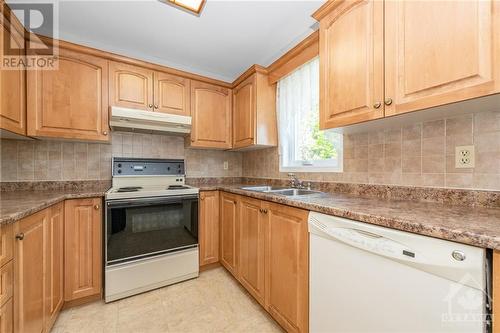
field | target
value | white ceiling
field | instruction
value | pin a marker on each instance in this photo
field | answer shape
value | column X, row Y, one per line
column 224, row 41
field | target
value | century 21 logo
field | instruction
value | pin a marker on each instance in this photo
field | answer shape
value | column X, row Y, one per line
column 38, row 19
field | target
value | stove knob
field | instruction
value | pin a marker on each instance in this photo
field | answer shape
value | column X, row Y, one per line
column 119, row 171
column 119, row 165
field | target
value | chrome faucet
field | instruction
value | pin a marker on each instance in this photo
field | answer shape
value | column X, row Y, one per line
column 296, row 183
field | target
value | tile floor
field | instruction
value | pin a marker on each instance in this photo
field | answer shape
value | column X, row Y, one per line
column 214, row 302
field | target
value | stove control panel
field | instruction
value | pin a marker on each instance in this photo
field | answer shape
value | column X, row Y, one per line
column 123, row 166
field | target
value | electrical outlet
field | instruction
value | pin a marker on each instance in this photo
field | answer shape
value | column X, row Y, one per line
column 226, row 165
column 464, row 157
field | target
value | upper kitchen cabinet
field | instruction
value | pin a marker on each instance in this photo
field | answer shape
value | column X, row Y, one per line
column 12, row 86
column 144, row 89
column 172, row 94
column 211, row 112
column 71, row 101
column 351, row 63
column 439, row 52
column 384, row 58
column 254, row 111
column 130, row 86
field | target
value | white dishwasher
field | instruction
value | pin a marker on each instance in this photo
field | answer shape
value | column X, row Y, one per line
column 366, row 278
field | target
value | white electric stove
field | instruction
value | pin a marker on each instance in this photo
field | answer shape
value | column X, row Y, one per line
column 151, row 227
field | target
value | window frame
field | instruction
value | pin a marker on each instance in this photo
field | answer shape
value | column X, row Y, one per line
column 331, row 165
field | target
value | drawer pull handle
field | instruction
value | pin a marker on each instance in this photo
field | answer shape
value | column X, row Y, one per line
column 20, row 236
column 377, row 105
column 388, row 101
column 96, row 207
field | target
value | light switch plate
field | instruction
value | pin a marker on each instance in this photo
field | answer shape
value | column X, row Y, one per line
column 464, row 157
column 226, row 165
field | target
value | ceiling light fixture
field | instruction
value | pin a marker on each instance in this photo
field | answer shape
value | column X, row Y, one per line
column 194, row 6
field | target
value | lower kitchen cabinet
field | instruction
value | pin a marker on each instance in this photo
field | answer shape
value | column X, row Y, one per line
column 38, row 271
column 208, row 234
column 6, row 278
column 229, row 232
column 252, row 242
column 266, row 247
column 54, row 287
column 82, row 249
column 6, row 325
column 29, row 270
column 287, row 276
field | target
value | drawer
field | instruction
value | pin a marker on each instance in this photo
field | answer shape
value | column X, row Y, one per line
column 6, row 243
column 6, row 317
column 6, row 278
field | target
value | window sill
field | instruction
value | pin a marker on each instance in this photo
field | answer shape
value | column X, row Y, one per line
column 310, row 169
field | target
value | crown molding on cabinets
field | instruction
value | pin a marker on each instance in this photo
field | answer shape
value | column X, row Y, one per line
column 326, row 8
column 306, row 50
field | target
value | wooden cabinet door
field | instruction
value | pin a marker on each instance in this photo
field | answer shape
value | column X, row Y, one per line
column 287, row 262
column 438, row 52
column 172, row 94
column 244, row 113
column 6, row 282
column 211, row 112
column 54, row 292
column 6, row 317
column 12, row 88
column 6, row 243
column 72, row 101
column 209, row 227
column 130, row 86
column 29, row 273
column 351, row 64
column 229, row 232
column 82, row 248
column 252, row 242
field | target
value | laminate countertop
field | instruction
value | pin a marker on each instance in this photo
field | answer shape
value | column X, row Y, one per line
column 477, row 226
column 14, row 205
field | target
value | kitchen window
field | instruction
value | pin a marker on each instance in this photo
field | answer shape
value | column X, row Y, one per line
column 303, row 146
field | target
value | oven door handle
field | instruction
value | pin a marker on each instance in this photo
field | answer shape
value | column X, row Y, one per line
column 142, row 202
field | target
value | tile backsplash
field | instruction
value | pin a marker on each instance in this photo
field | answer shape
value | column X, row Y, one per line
column 419, row 154
column 41, row 160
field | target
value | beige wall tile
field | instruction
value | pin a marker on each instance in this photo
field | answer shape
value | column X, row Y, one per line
column 433, row 129
column 433, row 146
column 459, row 180
column 411, row 164
column 412, row 132
column 412, row 147
column 461, row 125
column 434, row 164
column 433, row 179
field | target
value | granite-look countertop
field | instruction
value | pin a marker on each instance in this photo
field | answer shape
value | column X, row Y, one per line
column 478, row 226
column 15, row 205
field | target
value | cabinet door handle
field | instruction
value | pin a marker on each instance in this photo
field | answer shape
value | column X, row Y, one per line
column 388, row 101
column 20, row 236
column 156, row 106
column 105, row 133
column 150, row 106
column 377, row 105
column 264, row 211
column 202, row 198
column 96, row 207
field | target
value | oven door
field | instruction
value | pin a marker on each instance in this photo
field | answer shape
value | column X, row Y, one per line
column 145, row 227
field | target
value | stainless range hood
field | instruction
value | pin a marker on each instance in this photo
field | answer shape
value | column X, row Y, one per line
column 131, row 120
